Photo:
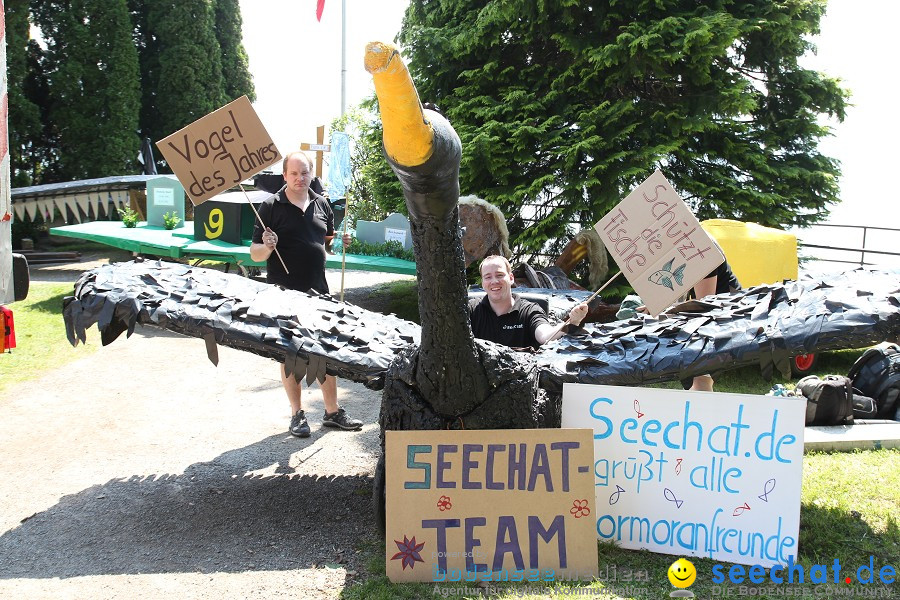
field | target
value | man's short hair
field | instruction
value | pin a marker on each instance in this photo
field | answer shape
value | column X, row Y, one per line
column 496, row 257
column 300, row 153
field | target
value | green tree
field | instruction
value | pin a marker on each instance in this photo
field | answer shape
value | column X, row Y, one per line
column 94, row 86
column 187, row 71
column 564, row 106
column 235, row 65
column 147, row 46
column 372, row 195
column 25, row 126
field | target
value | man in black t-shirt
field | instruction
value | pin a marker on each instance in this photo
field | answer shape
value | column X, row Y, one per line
column 300, row 223
column 505, row 318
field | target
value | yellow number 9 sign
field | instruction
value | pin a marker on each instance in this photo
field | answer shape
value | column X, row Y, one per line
column 215, row 224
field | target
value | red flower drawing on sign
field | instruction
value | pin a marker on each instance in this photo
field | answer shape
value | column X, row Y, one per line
column 580, row 509
column 444, row 503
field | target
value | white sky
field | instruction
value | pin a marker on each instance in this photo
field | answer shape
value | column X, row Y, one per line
column 296, row 60
column 296, row 63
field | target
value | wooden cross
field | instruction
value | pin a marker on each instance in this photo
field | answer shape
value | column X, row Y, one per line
column 319, row 147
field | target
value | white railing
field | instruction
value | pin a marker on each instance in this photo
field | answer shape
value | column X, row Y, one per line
column 862, row 245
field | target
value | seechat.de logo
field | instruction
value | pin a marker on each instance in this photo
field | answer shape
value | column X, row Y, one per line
column 793, row 573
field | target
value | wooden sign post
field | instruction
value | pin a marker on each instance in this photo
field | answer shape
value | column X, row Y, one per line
column 320, row 147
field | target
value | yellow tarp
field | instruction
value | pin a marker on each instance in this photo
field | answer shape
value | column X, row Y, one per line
column 757, row 254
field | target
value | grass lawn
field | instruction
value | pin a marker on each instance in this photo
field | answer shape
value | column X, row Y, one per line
column 41, row 342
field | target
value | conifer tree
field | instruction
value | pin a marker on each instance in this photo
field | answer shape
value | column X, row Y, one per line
column 235, row 65
column 148, row 60
column 94, row 87
column 24, row 114
column 188, row 81
column 563, row 106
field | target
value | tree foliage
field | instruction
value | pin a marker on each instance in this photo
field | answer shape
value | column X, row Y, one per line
column 23, row 109
column 190, row 83
column 147, row 46
column 564, row 106
column 93, row 85
column 235, row 65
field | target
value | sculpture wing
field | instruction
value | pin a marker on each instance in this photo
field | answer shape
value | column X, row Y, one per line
column 765, row 325
column 312, row 334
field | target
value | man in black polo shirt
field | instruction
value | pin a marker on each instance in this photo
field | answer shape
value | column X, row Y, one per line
column 507, row 319
column 300, row 223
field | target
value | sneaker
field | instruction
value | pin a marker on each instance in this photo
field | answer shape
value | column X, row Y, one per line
column 299, row 425
column 342, row 420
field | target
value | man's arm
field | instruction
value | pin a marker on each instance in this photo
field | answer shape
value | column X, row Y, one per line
column 263, row 239
column 706, row 287
column 546, row 332
column 260, row 252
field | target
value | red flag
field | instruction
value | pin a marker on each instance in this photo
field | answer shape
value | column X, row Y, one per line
column 320, row 6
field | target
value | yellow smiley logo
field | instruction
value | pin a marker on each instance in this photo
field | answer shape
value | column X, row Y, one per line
column 682, row 573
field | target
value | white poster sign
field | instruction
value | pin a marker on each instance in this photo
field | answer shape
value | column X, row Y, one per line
column 164, row 197
column 658, row 243
column 397, row 235
column 694, row 473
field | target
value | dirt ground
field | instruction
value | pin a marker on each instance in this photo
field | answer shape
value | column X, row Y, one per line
column 142, row 470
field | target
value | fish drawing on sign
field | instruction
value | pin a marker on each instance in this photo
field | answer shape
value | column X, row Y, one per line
column 769, row 486
column 665, row 276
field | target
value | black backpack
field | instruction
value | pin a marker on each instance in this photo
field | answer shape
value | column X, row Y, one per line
column 829, row 401
column 877, row 374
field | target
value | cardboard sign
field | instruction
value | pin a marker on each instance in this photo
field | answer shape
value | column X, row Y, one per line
column 694, row 473
column 220, row 150
column 165, row 195
column 658, row 243
column 490, row 505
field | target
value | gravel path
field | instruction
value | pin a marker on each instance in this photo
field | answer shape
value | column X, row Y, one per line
column 141, row 470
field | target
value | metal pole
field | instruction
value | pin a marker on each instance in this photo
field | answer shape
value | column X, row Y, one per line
column 343, row 56
column 7, row 285
column 862, row 255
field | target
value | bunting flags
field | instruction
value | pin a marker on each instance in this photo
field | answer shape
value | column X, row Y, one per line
column 320, row 6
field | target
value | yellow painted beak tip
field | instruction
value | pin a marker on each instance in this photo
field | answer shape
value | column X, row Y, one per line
column 378, row 56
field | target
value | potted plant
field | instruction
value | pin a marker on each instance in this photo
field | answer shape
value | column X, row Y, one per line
column 171, row 219
column 129, row 217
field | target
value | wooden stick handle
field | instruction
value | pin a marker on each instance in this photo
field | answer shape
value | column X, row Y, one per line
column 588, row 301
column 603, row 287
column 343, row 247
column 259, row 218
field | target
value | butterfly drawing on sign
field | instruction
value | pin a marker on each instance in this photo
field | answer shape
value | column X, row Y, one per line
column 665, row 276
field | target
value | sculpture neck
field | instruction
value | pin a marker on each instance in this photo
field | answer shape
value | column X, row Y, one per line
column 448, row 367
